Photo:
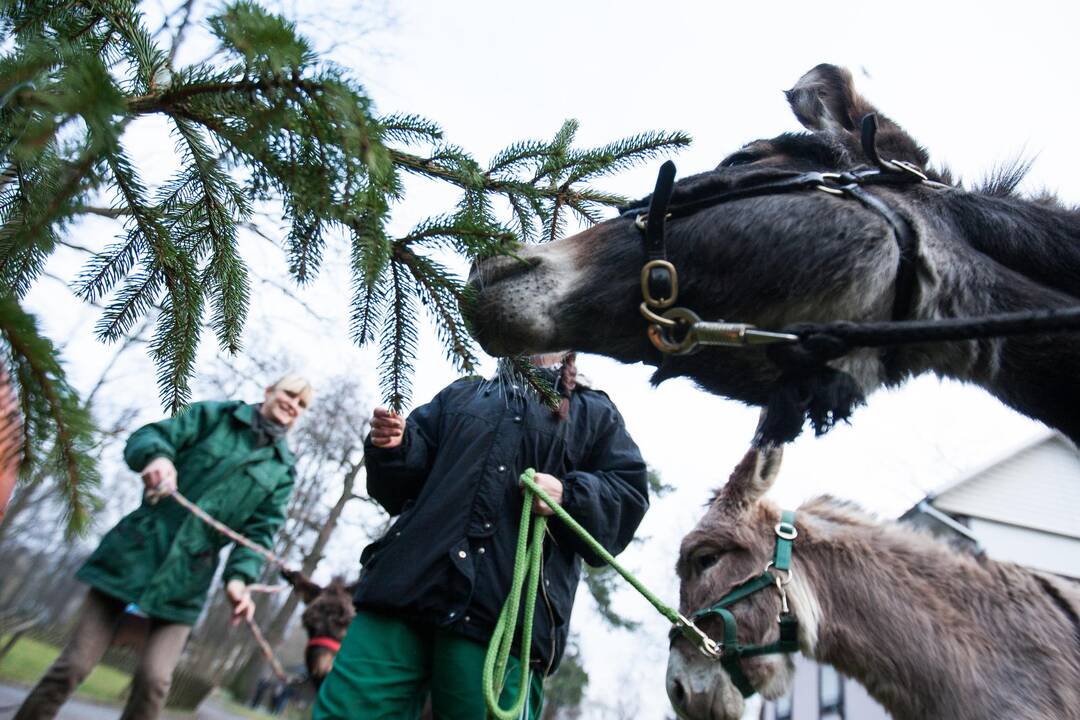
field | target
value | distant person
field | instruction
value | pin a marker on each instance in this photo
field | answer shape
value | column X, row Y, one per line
column 230, row 458
column 432, row 587
column 263, row 688
column 283, row 693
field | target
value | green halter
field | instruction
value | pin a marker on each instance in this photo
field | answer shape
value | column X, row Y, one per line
column 731, row 651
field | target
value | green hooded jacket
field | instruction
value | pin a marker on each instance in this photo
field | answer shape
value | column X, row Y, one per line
column 163, row 558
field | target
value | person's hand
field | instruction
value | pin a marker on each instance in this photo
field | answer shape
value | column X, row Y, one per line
column 240, row 597
column 552, row 486
column 159, row 477
column 387, row 428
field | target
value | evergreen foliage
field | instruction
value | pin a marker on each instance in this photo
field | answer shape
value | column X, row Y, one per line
column 50, row 409
column 564, row 690
column 265, row 119
column 602, row 582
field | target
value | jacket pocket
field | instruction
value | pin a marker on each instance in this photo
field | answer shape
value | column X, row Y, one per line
column 371, row 552
column 266, row 475
column 200, row 555
column 242, row 493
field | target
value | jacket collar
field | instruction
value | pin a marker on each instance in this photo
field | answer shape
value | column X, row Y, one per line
column 245, row 413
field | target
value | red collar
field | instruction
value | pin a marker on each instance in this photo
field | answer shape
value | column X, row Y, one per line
column 326, row 642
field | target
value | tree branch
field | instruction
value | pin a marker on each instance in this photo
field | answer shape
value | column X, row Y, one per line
column 182, row 28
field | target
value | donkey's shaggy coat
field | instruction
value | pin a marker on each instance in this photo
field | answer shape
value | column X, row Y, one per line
column 932, row 633
column 775, row 260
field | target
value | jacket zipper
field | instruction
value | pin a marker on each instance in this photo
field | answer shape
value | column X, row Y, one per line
column 551, row 618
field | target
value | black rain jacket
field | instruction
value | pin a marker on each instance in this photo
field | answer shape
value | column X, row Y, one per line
column 448, row 559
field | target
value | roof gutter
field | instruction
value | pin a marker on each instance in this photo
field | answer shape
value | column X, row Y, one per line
column 946, row 520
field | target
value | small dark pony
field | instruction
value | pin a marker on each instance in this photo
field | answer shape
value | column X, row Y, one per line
column 326, row 618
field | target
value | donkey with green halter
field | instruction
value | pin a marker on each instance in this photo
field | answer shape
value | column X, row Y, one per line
column 932, row 633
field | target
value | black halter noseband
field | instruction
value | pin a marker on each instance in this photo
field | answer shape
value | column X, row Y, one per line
column 678, row 331
column 807, row 387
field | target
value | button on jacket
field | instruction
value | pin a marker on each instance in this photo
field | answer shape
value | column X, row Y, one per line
column 448, row 558
column 163, row 558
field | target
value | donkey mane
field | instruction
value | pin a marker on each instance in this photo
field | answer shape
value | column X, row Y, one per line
column 840, row 511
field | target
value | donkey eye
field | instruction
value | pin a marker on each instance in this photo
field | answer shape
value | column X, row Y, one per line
column 739, row 158
column 704, row 561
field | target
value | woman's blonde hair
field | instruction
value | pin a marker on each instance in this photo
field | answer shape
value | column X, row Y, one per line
column 296, row 384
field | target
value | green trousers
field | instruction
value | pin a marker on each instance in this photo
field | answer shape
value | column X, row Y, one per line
column 386, row 669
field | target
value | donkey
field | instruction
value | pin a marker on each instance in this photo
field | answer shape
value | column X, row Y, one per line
column 931, row 632
column 774, row 259
column 326, row 618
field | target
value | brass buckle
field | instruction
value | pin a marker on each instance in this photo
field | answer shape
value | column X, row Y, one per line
column 905, row 166
column 658, row 332
column 654, row 318
column 659, row 303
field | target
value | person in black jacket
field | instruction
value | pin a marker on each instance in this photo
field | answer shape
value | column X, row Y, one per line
column 431, row 588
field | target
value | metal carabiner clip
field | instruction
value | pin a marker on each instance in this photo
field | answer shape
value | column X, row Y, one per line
column 705, row 644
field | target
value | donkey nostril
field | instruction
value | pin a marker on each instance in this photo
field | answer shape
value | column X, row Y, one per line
column 678, row 694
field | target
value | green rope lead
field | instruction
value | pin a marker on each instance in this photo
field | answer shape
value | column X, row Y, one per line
column 527, row 560
column 668, row 612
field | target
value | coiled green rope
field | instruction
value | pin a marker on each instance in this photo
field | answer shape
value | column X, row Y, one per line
column 528, row 558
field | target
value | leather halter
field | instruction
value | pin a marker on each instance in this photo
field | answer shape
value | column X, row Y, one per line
column 730, row 651
column 679, row 331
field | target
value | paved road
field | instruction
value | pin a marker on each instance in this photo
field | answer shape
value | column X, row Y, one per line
column 75, row 709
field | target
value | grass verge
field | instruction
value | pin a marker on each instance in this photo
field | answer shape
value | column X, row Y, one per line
column 29, row 660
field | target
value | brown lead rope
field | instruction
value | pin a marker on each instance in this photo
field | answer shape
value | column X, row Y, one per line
column 267, row 651
column 225, row 529
column 239, row 539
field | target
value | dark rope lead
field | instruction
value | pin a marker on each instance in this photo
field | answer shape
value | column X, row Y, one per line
column 808, row 389
column 909, row 332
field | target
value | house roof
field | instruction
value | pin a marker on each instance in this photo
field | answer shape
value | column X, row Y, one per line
column 1035, row 487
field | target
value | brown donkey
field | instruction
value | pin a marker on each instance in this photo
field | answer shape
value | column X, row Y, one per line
column 932, row 633
column 326, row 618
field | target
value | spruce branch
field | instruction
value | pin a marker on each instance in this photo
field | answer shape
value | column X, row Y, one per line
column 52, row 412
column 443, row 296
column 398, row 341
column 214, row 214
column 263, row 119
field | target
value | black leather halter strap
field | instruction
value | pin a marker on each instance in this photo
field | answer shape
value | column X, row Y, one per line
column 659, row 281
column 659, row 278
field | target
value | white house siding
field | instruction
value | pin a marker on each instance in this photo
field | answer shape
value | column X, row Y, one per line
column 858, row 705
column 1034, row 549
column 1038, row 488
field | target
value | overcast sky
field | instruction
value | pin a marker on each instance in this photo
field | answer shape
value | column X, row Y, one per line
column 976, row 83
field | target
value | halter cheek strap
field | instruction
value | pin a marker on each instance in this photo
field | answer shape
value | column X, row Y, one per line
column 731, row 652
column 679, row 330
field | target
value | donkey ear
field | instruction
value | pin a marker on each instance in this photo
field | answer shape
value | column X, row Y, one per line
column 752, row 477
column 825, row 100
column 305, row 588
